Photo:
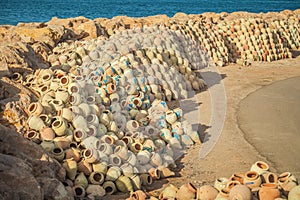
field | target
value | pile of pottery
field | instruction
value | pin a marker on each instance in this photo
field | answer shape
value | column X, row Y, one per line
column 110, row 129
column 258, row 183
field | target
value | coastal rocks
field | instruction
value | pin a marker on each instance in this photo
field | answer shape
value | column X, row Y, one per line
column 26, row 172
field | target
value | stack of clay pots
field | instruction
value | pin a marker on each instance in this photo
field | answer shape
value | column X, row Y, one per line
column 258, row 183
column 108, row 126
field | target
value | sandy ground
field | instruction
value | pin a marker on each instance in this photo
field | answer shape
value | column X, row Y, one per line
column 236, row 150
column 237, row 147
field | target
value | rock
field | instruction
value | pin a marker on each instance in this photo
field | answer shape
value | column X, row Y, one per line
column 17, row 180
column 26, row 172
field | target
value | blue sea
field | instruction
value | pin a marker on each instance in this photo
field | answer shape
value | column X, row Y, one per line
column 14, row 11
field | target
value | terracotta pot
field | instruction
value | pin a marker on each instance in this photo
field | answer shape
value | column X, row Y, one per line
column 186, row 191
column 268, row 191
column 287, row 181
column 35, row 123
column 59, row 126
column 35, row 108
column 73, row 153
column 156, row 159
column 108, row 139
column 100, row 167
column 106, row 148
column 109, row 187
column 62, row 95
column 71, row 167
column 169, row 192
column 270, row 177
column 92, row 119
column 143, row 157
column 136, row 147
column 136, row 182
column 220, row 183
column 154, row 173
column 252, row 179
column 78, row 191
column 146, row 179
column 171, row 117
column 85, row 167
column 238, row 177
column 81, row 180
column 240, row 192
column 127, row 169
column 114, row 160
column 122, row 152
column 47, row 145
column 113, row 173
column 90, row 142
column 132, row 125
column 79, row 135
column 132, row 158
column 294, row 194
column 123, row 184
column 223, row 194
column 165, row 172
column 91, row 155
column 137, row 195
column 260, row 167
column 231, row 184
column 46, row 119
column 95, row 191
column 62, row 142
column 79, row 122
column 207, row 192
column 58, row 153
column 33, row 136
column 96, row 178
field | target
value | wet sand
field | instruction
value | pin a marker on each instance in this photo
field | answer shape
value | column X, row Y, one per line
column 270, row 120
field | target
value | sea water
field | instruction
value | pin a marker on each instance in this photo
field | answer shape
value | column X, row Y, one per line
column 15, row 11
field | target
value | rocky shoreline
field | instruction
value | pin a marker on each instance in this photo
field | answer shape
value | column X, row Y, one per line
column 96, row 68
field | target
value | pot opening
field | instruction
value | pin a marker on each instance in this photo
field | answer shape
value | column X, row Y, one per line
column 138, row 147
column 89, row 118
column 78, row 191
column 87, row 153
column 79, row 78
column 134, row 124
column 43, row 117
column 108, row 189
column 151, row 131
column 46, row 77
column 108, row 140
column 57, row 150
column 74, row 89
column 73, row 145
column 78, row 134
column 102, row 147
column 64, row 80
column 91, row 131
column 271, row 178
column 136, row 101
column 97, row 177
column 32, row 107
column 126, row 140
column 149, row 180
column 31, row 134
column 72, row 99
column 44, row 88
column 262, row 165
column 251, row 174
column 57, row 123
column 116, row 160
column 15, row 76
